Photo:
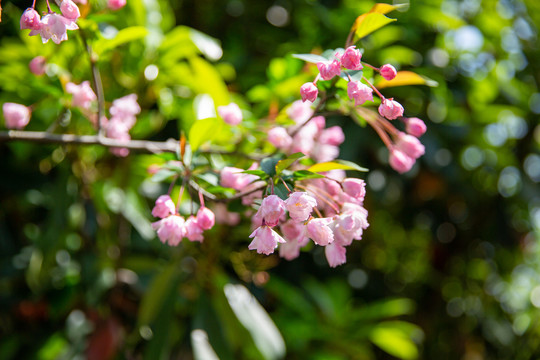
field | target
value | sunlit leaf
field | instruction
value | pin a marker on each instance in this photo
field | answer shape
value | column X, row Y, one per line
column 202, row 131
column 394, row 342
column 288, row 161
column 367, row 23
column 305, row 174
column 384, row 308
column 404, row 78
column 202, row 350
column 336, row 165
column 163, row 174
column 312, row 58
column 124, row 36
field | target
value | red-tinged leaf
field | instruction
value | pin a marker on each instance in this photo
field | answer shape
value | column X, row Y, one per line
column 404, row 78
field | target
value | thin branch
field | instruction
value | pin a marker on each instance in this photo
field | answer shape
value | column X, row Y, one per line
column 170, row 145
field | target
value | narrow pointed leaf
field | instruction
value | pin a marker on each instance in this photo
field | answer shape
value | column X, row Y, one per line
column 336, row 165
column 312, row 58
column 288, row 161
column 404, row 78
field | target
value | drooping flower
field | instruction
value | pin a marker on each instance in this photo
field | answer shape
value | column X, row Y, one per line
column 388, row 72
column 319, row 231
column 265, row 240
column 300, row 205
column 17, row 116
column 309, row 92
column 335, row 254
column 193, row 229
column 231, row 113
column 54, row 26
column 37, row 65
column 234, row 178
column 83, row 95
column 69, row 10
column 390, row 109
column 170, row 230
column 206, row 218
column 355, row 188
column 399, row 161
column 30, row 19
column 271, row 210
column 351, row 58
column 329, row 69
column 359, row 92
column 410, row 145
column 164, row 207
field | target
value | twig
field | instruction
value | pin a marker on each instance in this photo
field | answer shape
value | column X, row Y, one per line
column 170, row 145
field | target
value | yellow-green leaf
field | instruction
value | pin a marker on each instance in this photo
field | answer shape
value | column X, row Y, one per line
column 394, row 342
column 202, row 131
column 367, row 23
column 124, row 36
column 406, row 78
column 285, row 163
column 335, row 165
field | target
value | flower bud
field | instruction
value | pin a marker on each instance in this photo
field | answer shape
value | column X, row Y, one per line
column 410, row 145
column 309, row 92
column 271, row 210
column 69, row 10
column 388, row 72
column 359, row 92
column 17, row 116
column 116, row 4
column 351, row 58
column 390, row 109
column 30, row 19
column 415, row 126
column 170, row 230
column 206, row 218
column 231, row 114
column 399, row 161
column 329, row 69
column 164, row 207
column 37, row 65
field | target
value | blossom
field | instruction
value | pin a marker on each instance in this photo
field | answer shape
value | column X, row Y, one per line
column 30, row 19
column 351, row 58
column 231, row 113
column 319, row 231
column 37, row 65
column 300, row 112
column 355, row 188
column 271, row 210
column 116, row 4
column 335, row 254
column 265, row 240
column 164, row 207
column 309, row 92
column 279, row 137
column 125, row 109
column 295, row 234
column 304, row 140
column 69, row 10
column 415, row 126
column 223, row 216
column 17, row 116
column 83, row 95
column 329, row 69
column 390, row 109
column 193, row 229
column 205, row 218
column 359, row 92
column 350, row 224
column 54, row 26
column 170, row 230
column 388, row 72
column 300, row 205
column 119, row 131
column 324, row 152
column 332, row 136
column 410, row 145
column 399, row 161
column 234, row 178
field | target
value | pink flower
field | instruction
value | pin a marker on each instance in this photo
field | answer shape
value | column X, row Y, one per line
column 205, row 218
column 359, row 92
column 125, row 109
column 271, row 210
column 193, row 229
column 304, row 140
column 415, row 126
column 324, row 152
column 37, row 65
column 54, row 26
column 309, row 92
column 119, row 131
column 390, row 109
column 300, row 205
column 83, row 95
column 231, row 114
column 265, row 240
column 388, row 72
column 410, row 145
column 320, row 121
column 17, row 116
column 234, row 178
column 116, row 4
column 30, row 19
column 69, row 10
column 350, row 223
column 332, row 136
column 319, row 231
column 355, row 188
column 399, row 161
column 170, row 230
column 335, row 254
column 299, row 111
column 279, row 137
column 329, row 69
column 295, row 234
column 351, row 58
column 164, row 207
column 223, row 216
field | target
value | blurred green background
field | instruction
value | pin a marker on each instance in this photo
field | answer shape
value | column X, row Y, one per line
column 449, row 267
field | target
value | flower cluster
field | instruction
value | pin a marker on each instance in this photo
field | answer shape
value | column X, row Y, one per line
column 52, row 26
column 173, row 227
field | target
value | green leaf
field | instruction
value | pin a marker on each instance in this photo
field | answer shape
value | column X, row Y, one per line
column 335, row 165
column 288, row 161
column 383, row 309
column 367, row 23
column 268, row 165
column 395, row 342
column 312, row 58
column 202, row 131
column 406, row 78
column 281, row 190
column 163, row 174
column 256, row 320
column 258, row 173
column 306, row 174
column 124, row 36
